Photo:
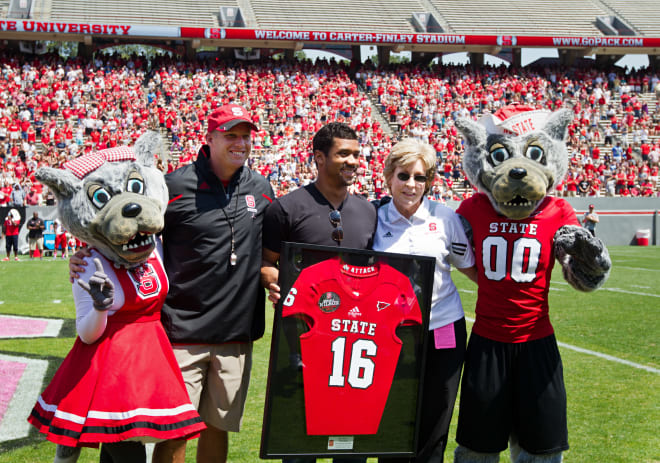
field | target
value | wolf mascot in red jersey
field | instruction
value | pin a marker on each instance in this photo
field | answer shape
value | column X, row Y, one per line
column 120, row 384
column 512, row 390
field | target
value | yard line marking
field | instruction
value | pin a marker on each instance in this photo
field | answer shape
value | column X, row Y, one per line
column 599, row 355
column 638, row 268
column 619, row 290
column 609, row 357
column 614, row 290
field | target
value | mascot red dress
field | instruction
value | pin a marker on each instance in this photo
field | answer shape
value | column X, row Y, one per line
column 120, row 384
column 513, row 388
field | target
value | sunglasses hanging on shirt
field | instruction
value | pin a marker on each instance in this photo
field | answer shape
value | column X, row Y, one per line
column 338, row 231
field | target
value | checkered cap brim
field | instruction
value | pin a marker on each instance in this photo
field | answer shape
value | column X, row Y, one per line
column 83, row 165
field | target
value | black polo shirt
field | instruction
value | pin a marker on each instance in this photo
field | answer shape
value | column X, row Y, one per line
column 210, row 301
column 302, row 216
column 38, row 232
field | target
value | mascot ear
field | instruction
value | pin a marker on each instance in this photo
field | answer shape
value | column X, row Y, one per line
column 146, row 146
column 557, row 124
column 474, row 133
column 62, row 182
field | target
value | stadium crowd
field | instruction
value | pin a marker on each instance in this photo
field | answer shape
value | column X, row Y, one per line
column 52, row 110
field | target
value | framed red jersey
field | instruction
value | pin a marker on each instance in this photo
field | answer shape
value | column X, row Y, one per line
column 351, row 350
column 347, row 353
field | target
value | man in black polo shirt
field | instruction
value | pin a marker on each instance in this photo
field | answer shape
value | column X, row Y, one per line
column 322, row 212
column 36, row 235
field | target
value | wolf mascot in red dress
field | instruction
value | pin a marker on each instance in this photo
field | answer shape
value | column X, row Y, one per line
column 120, row 384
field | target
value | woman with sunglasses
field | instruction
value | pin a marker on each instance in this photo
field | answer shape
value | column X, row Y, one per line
column 412, row 224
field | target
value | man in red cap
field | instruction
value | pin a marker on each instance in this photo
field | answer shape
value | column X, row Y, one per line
column 215, row 307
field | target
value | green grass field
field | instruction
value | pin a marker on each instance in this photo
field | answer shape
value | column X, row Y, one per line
column 613, row 406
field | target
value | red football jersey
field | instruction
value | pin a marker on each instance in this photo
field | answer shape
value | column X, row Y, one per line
column 351, row 351
column 515, row 260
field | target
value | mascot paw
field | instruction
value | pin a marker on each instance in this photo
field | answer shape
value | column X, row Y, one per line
column 584, row 258
column 100, row 288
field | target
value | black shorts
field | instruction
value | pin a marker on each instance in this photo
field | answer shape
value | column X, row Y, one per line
column 513, row 388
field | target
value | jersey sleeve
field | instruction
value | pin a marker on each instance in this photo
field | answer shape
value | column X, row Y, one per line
column 411, row 312
column 466, row 207
column 300, row 299
column 568, row 214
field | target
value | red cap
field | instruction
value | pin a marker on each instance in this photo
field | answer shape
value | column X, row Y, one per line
column 228, row 116
column 591, row 206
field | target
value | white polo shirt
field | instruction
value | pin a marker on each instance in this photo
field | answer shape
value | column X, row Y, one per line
column 436, row 231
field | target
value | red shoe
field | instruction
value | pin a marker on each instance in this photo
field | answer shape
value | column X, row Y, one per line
column 16, row 258
column 5, row 259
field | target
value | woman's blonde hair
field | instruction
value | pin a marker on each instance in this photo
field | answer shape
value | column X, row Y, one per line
column 405, row 153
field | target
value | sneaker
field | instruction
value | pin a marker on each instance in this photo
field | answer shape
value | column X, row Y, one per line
column 16, row 258
column 5, row 259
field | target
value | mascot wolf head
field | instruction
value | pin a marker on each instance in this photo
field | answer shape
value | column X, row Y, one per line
column 516, row 156
column 113, row 199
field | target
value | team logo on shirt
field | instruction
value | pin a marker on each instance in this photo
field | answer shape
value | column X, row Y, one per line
column 433, row 227
column 329, row 302
column 251, row 203
column 145, row 280
column 382, row 305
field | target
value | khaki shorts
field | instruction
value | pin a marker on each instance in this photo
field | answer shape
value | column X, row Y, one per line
column 217, row 378
column 36, row 243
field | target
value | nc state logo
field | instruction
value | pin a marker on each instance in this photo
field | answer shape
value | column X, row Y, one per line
column 433, row 226
column 145, row 280
column 249, row 200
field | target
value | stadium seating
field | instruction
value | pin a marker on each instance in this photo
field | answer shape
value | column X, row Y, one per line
column 643, row 15
column 339, row 15
column 185, row 13
column 112, row 100
column 520, row 17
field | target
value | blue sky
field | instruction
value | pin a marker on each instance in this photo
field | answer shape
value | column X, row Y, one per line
column 528, row 55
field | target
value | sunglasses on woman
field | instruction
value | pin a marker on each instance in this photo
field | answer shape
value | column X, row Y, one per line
column 404, row 176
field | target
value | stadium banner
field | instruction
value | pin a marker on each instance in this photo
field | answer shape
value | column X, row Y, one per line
column 419, row 39
column 371, row 38
column 50, row 27
column 347, row 354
